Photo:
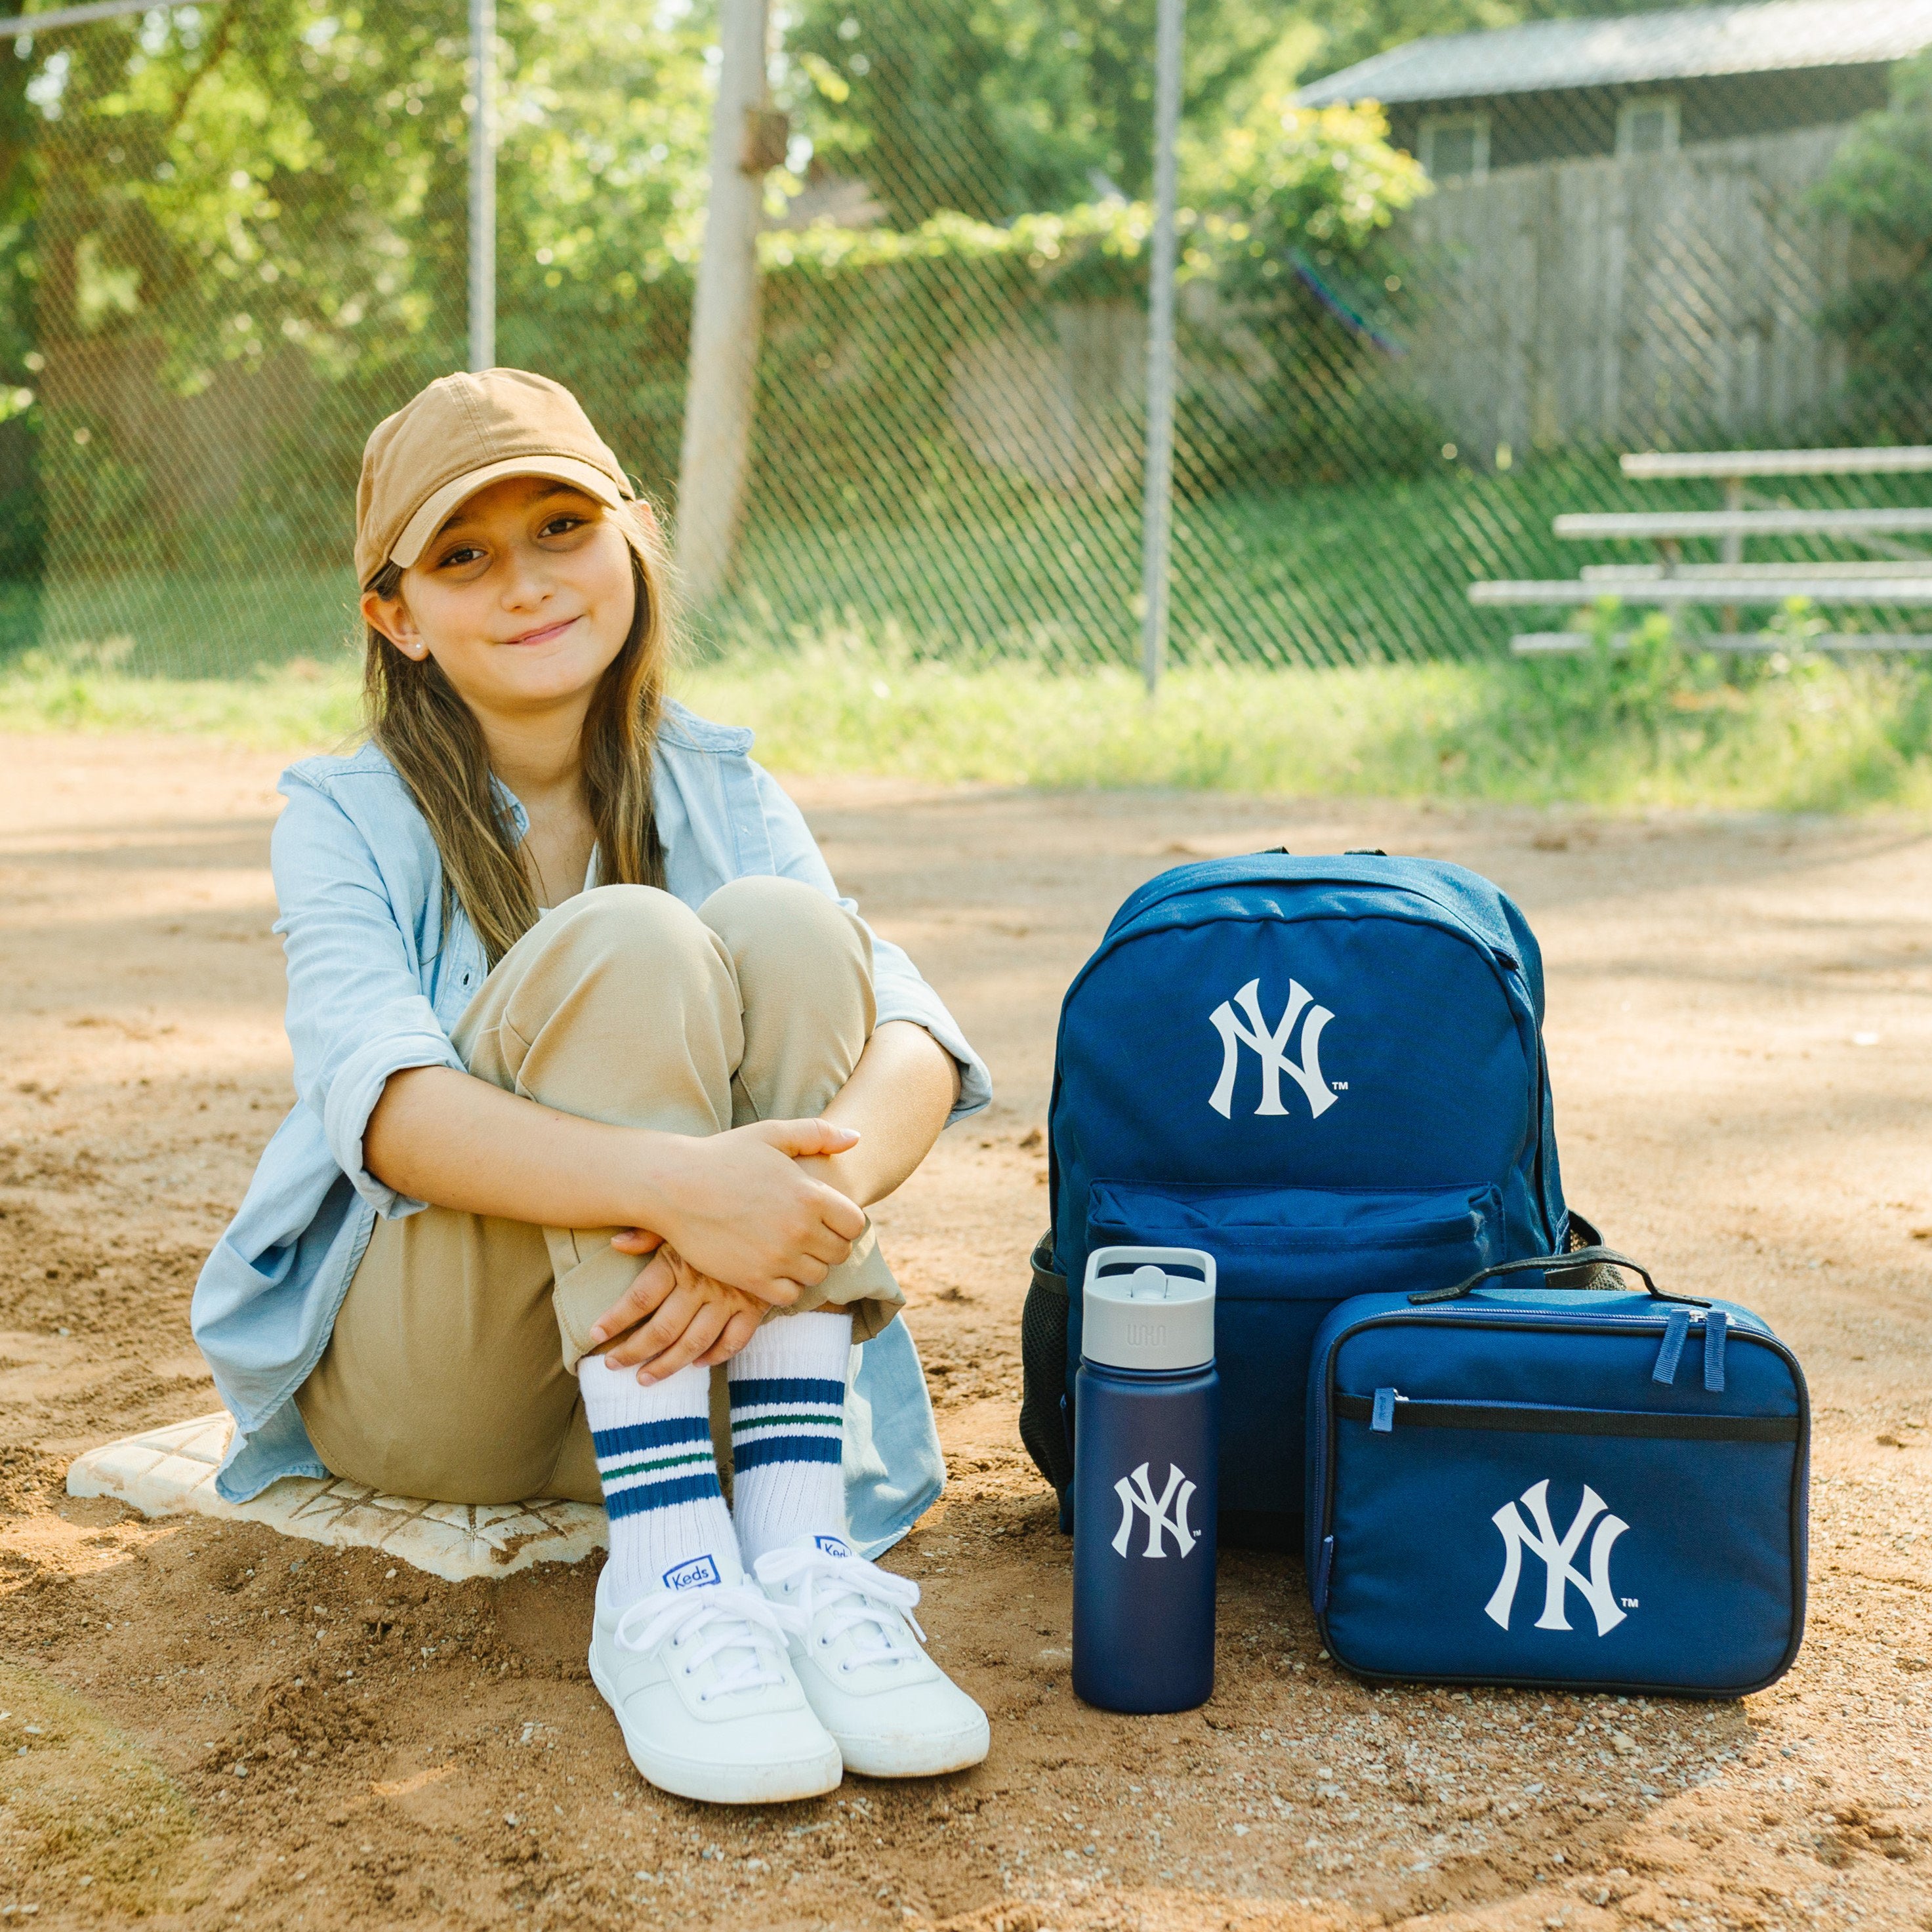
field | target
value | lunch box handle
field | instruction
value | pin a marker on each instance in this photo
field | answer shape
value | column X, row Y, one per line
column 1577, row 1260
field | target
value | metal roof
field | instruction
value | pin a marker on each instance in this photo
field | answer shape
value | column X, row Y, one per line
column 1680, row 45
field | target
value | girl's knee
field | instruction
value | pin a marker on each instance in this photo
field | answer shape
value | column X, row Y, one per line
column 781, row 915
column 636, row 929
column 627, row 916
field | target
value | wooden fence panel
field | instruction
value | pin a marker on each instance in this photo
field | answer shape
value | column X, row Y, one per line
column 1629, row 301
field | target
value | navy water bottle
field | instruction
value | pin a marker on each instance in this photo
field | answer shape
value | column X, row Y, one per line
column 1146, row 1439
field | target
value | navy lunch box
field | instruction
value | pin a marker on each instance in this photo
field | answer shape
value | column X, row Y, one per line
column 1558, row 1485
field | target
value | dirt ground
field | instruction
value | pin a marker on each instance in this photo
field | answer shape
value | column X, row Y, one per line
column 214, row 1726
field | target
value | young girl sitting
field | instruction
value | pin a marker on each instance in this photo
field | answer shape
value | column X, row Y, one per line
column 596, row 1076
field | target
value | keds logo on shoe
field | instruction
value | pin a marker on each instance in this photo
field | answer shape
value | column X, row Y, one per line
column 691, row 1576
column 831, row 1546
column 1248, row 1028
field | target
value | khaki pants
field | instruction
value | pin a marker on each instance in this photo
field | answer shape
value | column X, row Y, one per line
column 444, row 1377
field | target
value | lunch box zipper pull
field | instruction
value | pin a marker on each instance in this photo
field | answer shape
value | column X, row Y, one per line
column 1676, row 1327
column 1382, row 1418
column 1716, row 1327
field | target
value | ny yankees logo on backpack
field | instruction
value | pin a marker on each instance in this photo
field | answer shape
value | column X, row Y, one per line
column 1326, row 1073
column 1272, row 1047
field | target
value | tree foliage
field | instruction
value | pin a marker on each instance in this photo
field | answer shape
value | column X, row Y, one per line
column 1285, row 179
column 1881, row 183
column 278, row 189
column 262, row 205
column 998, row 108
column 300, row 168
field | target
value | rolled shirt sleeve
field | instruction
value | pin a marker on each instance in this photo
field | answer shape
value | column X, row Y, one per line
column 899, row 991
column 356, row 1010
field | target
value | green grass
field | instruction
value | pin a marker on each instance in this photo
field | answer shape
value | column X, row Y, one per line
column 1649, row 726
column 306, row 705
column 1344, row 572
column 1646, row 727
column 1369, row 570
column 200, row 624
column 972, row 562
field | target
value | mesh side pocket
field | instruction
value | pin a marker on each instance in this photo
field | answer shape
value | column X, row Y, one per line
column 1043, row 1369
column 1596, row 1278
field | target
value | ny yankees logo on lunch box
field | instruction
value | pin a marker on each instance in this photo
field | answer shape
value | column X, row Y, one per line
column 1559, row 1571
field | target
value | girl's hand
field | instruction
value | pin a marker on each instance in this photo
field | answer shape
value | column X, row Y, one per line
column 740, row 1208
column 692, row 1318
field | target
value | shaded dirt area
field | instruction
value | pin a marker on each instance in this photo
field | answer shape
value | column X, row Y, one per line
column 213, row 1725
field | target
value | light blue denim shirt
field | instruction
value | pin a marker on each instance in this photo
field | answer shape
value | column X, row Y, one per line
column 376, row 984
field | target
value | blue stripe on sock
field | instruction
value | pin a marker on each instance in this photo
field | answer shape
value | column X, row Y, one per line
column 635, row 1435
column 787, row 1449
column 642, row 1496
column 755, row 1391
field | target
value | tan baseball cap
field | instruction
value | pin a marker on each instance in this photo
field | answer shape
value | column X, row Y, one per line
column 464, row 432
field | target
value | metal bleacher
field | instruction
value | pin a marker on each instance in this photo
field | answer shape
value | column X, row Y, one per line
column 1900, row 577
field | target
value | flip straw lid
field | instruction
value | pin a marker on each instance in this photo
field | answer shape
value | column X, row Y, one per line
column 1148, row 1308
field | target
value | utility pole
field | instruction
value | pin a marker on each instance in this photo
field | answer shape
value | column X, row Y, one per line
column 1157, row 502
column 483, row 185
column 746, row 139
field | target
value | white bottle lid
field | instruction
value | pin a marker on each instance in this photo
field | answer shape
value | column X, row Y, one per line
column 1137, row 1312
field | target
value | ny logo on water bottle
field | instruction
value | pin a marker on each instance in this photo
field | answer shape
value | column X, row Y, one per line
column 1136, row 1493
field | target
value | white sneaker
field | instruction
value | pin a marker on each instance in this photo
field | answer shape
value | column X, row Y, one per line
column 894, row 1712
column 699, row 1676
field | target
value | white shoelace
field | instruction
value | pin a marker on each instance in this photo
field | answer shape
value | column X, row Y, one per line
column 864, row 1594
column 714, row 1621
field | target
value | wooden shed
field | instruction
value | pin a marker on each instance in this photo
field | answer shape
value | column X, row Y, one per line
column 1622, row 244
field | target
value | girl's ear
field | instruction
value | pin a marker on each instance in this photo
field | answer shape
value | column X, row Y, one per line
column 390, row 616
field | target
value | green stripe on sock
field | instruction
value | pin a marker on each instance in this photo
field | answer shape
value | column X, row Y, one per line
column 833, row 1421
column 664, row 1463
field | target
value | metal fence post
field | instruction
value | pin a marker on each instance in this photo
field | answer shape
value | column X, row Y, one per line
column 1157, row 505
column 483, row 185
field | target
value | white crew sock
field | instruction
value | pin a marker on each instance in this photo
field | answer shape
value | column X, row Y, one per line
column 660, row 1478
column 787, row 1430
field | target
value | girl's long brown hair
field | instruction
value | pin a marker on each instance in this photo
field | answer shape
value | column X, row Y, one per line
column 434, row 740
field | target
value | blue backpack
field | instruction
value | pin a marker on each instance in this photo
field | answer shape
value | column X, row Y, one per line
column 1327, row 1072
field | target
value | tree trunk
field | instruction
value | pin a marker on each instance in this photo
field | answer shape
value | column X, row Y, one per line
column 724, row 315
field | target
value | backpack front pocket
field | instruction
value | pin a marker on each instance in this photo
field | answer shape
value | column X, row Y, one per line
column 1284, row 1256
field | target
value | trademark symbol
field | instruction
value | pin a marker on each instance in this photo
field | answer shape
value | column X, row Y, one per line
column 1628, row 1603
column 1340, row 1086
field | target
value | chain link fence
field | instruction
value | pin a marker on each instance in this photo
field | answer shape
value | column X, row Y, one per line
column 233, row 236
